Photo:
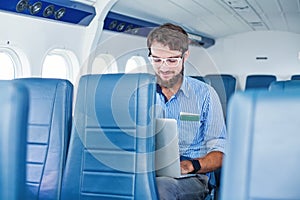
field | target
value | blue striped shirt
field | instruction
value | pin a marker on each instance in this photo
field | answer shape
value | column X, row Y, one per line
column 196, row 138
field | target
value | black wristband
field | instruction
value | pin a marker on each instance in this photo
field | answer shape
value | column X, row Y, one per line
column 196, row 165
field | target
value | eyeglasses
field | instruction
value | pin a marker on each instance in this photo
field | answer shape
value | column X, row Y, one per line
column 170, row 62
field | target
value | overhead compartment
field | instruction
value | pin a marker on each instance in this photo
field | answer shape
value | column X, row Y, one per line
column 69, row 11
column 125, row 24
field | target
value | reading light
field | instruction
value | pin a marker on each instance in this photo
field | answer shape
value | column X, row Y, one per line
column 35, row 8
column 49, row 10
column 22, row 5
column 135, row 31
column 69, row 11
column 121, row 26
column 113, row 24
column 59, row 13
column 129, row 28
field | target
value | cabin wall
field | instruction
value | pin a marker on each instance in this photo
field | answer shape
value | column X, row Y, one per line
column 32, row 38
column 122, row 47
column 237, row 54
column 36, row 37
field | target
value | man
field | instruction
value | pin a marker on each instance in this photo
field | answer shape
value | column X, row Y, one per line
column 202, row 141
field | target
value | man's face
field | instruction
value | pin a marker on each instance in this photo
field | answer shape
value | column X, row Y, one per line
column 167, row 64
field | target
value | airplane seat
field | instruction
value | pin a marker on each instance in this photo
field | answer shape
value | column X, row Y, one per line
column 289, row 85
column 225, row 86
column 49, row 127
column 203, row 79
column 262, row 159
column 295, row 77
column 112, row 149
column 259, row 81
column 13, row 132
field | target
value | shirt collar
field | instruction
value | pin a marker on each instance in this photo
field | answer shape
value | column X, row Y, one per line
column 185, row 86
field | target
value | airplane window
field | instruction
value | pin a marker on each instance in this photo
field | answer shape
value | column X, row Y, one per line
column 61, row 64
column 104, row 64
column 7, row 68
column 136, row 64
column 55, row 66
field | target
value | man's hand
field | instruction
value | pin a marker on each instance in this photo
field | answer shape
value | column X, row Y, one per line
column 186, row 167
column 208, row 163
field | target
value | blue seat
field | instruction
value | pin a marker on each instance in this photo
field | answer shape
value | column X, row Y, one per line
column 111, row 152
column 295, row 77
column 49, row 127
column 262, row 160
column 13, row 132
column 201, row 78
column 225, row 86
column 289, row 85
column 259, row 81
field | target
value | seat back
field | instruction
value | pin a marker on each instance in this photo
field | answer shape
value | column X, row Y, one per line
column 13, row 132
column 111, row 153
column 49, row 127
column 262, row 160
column 225, row 86
column 201, row 78
column 295, row 77
column 289, row 85
column 259, row 81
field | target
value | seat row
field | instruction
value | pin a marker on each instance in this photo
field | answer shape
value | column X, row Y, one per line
column 226, row 84
column 107, row 150
column 264, row 144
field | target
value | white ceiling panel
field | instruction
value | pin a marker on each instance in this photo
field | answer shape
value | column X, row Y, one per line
column 266, row 6
column 217, row 18
column 291, row 6
column 293, row 21
column 275, row 21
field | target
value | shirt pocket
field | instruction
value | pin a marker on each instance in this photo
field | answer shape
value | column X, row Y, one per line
column 190, row 132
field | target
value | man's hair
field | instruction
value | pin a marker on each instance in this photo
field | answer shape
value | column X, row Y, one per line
column 173, row 36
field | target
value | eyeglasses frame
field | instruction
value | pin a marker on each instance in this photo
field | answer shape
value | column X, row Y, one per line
column 164, row 60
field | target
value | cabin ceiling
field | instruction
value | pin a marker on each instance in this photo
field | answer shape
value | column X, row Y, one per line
column 217, row 18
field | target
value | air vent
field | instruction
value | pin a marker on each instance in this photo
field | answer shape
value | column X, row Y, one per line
column 256, row 24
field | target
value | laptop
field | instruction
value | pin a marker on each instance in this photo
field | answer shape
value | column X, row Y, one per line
column 167, row 159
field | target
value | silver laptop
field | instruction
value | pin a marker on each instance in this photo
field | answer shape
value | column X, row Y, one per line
column 167, row 159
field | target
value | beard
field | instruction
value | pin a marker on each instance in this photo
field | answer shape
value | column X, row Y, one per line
column 169, row 83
